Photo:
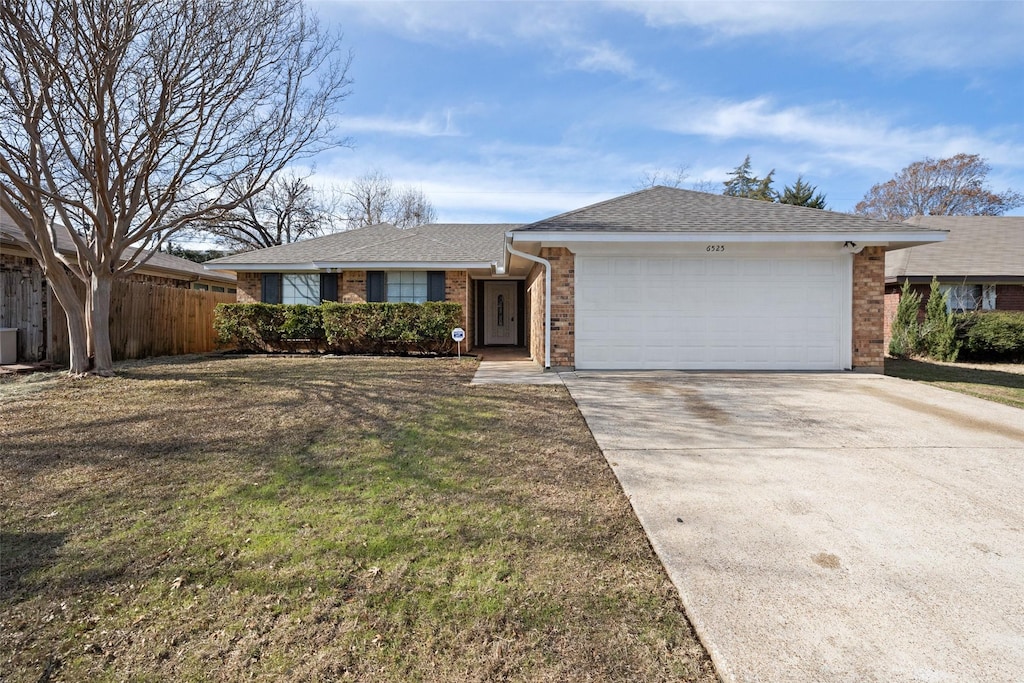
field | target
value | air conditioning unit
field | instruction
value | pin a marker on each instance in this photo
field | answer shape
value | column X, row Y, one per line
column 8, row 345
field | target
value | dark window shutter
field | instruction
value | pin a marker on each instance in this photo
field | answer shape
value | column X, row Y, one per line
column 435, row 285
column 376, row 286
column 328, row 286
column 271, row 288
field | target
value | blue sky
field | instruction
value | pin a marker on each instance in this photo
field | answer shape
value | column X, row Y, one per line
column 510, row 111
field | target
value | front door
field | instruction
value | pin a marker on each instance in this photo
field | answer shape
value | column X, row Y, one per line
column 500, row 307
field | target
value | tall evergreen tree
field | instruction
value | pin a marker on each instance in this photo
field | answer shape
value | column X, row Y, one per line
column 743, row 183
column 802, row 194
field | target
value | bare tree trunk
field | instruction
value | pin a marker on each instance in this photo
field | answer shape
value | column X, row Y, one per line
column 74, row 311
column 99, row 325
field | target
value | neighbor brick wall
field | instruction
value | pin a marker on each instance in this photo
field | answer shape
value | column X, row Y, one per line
column 249, row 288
column 869, row 309
column 1010, row 297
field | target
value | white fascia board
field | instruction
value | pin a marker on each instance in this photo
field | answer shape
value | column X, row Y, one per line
column 404, row 265
column 879, row 238
column 349, row 265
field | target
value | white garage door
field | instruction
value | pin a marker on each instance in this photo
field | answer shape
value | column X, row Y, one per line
column 756, row 310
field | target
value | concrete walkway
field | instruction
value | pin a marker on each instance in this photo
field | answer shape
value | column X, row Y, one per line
column 827, row 527
column 513, row 372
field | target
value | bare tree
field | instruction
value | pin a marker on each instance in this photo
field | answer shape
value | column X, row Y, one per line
column 289, row 209
column 659, row 176
column 124, row 120
column 412, row 208
column 373, row 198
column 938, row 187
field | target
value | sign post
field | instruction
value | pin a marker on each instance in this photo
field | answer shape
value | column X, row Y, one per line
column 458, row 334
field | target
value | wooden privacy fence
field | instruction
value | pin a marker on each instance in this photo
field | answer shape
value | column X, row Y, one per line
column 22, row 293
column 150, row 320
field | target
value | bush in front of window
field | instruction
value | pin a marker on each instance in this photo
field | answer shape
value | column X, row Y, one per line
column 991, row 336
column 391, row 327
column 401, row 328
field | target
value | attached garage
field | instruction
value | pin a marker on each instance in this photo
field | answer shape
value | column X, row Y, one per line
column 666, row 278
column 714, row 307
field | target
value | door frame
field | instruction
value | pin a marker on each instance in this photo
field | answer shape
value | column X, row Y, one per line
column 480, row 313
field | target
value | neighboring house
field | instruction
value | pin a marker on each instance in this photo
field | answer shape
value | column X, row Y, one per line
column 26, row 302
column 980, row 265
column 661, row 278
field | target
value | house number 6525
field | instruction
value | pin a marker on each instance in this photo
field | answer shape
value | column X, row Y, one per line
column 715, row 247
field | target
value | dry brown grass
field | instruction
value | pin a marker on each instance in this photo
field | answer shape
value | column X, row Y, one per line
column 320, row 519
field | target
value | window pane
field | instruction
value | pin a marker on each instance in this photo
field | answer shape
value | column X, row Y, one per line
column 407, row 286
column 301, row 289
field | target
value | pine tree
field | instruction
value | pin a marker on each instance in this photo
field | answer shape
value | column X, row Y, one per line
column 905, row 339
column 939, row 334
column 802, row 194
column 742, row 183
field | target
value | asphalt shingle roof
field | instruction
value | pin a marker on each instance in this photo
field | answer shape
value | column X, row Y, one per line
column 384, row 243
column 667, row 209
column 981, row 246
column 174, row 266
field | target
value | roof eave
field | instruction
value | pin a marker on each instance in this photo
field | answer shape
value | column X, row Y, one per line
column 319, row 266
column 896, row 239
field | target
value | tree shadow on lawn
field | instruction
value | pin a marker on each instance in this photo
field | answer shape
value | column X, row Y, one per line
column 22, row 553
column 933, row 372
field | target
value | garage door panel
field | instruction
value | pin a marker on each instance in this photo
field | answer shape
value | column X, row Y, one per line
column 757, row 312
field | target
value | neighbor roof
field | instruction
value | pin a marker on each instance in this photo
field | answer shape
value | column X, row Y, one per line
column 666, row 209
column 171, row 266
column 977, row 246
column 469, row 243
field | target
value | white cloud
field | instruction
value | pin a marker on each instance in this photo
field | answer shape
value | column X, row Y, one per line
column 560, row 28
column 896, row 35
column 832, row 132
column 425, row 126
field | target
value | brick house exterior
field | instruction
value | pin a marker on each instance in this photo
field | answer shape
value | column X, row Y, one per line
column 654, row 276
column 983, row 255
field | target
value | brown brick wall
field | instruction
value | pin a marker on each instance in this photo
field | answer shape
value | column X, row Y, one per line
column 249, row 288
column 456, row 291
column 869, row 308
column 563, row 306
column 535, row 313
column 1010, row 297
column 352, row 287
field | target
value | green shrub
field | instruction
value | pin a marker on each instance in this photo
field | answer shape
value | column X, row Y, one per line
column 250, row 327
column 905, row 337
column 938, row 336
column 347, row 328
column 991, row 336
column 391, row 327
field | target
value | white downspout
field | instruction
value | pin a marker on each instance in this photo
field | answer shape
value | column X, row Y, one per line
column 547, row 297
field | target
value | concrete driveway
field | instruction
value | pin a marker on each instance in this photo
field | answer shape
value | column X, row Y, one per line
column 827, row 527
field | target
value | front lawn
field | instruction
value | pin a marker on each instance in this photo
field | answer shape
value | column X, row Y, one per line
column 320, row 519
column 996, row 382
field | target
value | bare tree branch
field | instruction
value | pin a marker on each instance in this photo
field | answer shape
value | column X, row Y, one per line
column 125, row 120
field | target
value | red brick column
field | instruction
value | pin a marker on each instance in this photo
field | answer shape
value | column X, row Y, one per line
column 869, row 309
column 563, row 306
column 456, row 291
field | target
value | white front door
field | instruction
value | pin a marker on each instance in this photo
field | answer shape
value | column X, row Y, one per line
column 500, row 307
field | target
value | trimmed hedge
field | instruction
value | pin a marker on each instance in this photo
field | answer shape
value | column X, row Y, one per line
column 991, row 336
column 400, row 328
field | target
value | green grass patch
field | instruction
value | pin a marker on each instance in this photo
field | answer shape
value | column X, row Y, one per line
column 320, row 519
column 995, row 382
